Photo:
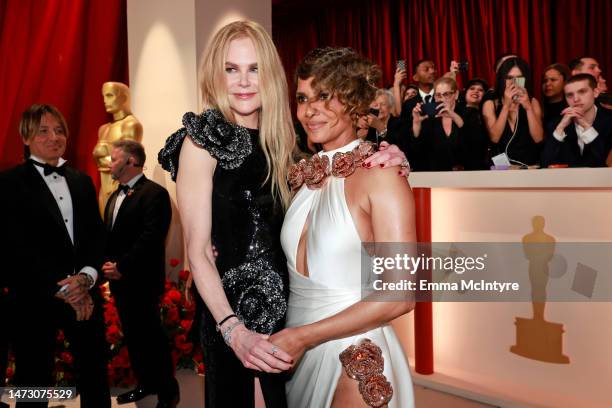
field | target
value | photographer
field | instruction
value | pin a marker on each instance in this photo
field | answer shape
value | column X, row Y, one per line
column 514, row 119
column 436, row 128
column 382, row 125
column 474, row 143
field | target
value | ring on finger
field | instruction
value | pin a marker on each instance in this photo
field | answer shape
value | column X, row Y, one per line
column 274, row 350
column 405, row 164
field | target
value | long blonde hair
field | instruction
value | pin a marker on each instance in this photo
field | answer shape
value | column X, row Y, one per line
column 276, row 133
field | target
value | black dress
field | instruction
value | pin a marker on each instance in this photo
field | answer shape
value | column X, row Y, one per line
column 439, row 151
column 246, row 225
column 519, row 145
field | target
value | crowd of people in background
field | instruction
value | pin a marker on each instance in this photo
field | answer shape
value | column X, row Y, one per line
column 442, row 128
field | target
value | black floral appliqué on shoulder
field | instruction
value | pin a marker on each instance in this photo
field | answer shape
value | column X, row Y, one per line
column 229, row 143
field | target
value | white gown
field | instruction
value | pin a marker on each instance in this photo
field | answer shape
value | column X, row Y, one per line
column 334, row 283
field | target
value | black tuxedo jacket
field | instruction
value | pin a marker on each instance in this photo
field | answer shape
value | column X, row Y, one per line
column 36, row 245
column 137, row 239
column 568, row 151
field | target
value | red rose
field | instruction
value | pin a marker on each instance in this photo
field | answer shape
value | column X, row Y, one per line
column 186, row 348
column 172, row 317
column 183, row 275
column 179, row 340
column 113, row 334
column 174, row 295
column 9, row 373
column 60, row 336
column 166, row 302
column 167, row 285
column 201, row 368
column 186, row 324
column 66, row 357
column 174, row 262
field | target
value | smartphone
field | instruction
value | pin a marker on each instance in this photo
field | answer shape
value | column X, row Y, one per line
column 430, row 109
column 401, row 64
column 374, row 112
column 519, row 81
column 463, row 66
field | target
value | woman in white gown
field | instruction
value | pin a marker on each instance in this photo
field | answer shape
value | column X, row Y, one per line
column 347, row 352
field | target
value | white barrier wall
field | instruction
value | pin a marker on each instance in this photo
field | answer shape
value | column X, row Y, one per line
column 472, row 340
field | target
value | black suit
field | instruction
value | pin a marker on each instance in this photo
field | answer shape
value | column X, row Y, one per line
column 568, row 152
column 40, row 253
column 136, row 242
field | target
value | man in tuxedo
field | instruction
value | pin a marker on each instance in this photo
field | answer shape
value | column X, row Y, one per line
column 582, row 137
column 589, row 65
column 137, row 218
column 53, row 238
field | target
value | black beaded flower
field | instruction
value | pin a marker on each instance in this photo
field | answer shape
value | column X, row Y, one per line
column 255, row 292
column 227, row 142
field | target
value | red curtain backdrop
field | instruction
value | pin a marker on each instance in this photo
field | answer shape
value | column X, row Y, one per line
column 60, row 52
column 540, row 31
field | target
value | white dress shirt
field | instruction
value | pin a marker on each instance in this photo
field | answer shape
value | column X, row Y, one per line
column 423, row 95
column 584, row 136
column 59, row 189
column 121, row 196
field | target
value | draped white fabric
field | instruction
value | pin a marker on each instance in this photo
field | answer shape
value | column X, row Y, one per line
column 334, row 283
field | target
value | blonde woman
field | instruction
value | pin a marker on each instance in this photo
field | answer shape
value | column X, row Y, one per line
column 231, row 191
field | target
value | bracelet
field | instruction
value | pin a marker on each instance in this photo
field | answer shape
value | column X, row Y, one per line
column 227, row 334
column 89, row 281
column 224, row 320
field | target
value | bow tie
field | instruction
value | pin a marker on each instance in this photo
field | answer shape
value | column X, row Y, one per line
column 124, row 187
column 49, row 169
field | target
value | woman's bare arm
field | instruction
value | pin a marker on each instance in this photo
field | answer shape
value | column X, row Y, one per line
column 194, row 196
column 392, row 220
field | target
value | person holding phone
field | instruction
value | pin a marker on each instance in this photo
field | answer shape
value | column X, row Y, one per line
column 436, row 126
column 514, row 118
column 382, row 125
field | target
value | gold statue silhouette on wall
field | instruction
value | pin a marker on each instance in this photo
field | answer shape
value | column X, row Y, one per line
column 537, row 338
column 123, row 126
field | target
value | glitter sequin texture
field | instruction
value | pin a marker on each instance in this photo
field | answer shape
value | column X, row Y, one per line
column 230, row 144
column 364, row 362
column 245, row 222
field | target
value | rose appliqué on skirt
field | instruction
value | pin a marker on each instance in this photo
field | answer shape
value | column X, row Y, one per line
column 255, row 292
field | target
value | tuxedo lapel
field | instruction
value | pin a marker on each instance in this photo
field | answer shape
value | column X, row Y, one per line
column 110, row 208
column 129, row 200
column 41, row 190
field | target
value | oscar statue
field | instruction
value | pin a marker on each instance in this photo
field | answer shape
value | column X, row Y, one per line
column 123, row 126
column 537, row 338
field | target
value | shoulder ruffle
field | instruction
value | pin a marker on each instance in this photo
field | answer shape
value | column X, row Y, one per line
column 228, row 143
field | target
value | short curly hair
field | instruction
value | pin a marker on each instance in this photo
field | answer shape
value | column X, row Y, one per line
column 343, row 72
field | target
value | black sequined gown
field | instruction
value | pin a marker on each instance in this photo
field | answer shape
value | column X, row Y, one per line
column 246, row 227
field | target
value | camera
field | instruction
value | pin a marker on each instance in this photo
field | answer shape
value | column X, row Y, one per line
column 374, row 112
column 463, row 66
column 401, row 64
column 430, row 109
